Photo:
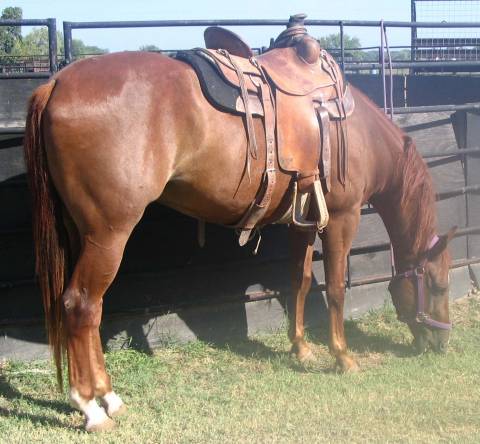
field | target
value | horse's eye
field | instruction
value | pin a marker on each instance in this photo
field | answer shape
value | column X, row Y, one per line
column 438, row 287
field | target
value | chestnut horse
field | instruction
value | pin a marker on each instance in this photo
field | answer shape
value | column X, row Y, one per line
column 111, row 134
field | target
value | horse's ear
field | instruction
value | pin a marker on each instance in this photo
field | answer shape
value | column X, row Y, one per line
column 442, row 243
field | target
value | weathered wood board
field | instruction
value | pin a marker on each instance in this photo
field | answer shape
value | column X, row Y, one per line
column 14, row 95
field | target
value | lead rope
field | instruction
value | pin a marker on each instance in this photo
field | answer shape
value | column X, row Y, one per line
column 383, row 38
column 390, row 70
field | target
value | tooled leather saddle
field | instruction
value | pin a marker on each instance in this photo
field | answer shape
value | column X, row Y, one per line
column 298, row 89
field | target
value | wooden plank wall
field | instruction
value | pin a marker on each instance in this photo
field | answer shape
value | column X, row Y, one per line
column 473, row 200
column 14, row 94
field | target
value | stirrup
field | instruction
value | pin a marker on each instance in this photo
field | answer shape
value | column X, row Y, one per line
column 297, row 217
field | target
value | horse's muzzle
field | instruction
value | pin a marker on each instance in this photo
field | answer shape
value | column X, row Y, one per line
column 431, row 339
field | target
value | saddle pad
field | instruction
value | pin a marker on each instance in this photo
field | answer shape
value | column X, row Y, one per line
column 224, row 63
column 220, row 92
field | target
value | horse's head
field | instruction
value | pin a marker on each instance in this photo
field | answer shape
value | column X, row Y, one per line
column 420, row 295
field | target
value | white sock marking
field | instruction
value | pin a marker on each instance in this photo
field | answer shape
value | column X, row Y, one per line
column 112, row 402
column 94, row 414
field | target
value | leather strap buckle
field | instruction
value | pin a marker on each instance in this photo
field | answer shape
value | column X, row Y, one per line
column 419, row 271
column 421, row 317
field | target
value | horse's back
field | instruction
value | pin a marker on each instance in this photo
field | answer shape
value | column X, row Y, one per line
column 103, row 126
column 100, row 80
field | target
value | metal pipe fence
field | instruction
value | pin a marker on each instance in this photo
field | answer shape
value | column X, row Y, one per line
column 68, row 27
column 51, row 25
column 449, row 155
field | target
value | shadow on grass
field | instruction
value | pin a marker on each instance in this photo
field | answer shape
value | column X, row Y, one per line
column 361, row 342
column 9, row 392
column 358, row 341
column 245, row 347
column 257, row 350
column 35, row 419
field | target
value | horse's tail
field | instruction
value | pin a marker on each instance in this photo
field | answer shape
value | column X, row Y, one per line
column 48, row 230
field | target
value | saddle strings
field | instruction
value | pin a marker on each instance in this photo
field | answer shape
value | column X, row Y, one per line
column 342, row 135
column 252, row 141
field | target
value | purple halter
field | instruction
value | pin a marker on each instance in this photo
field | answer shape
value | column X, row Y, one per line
column 418, row 273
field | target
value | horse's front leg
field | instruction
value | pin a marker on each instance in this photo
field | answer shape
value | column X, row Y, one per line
column 337, row 241
column 301, row 248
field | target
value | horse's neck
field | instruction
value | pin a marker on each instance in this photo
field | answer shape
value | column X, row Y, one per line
column 406, row 204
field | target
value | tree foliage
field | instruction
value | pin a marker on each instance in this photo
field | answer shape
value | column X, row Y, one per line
column 80, row 48
column 35, row 43
column 333, row 41
column 151, row 48
column 10, row 35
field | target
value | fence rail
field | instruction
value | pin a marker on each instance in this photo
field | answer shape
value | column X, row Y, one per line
column 51, row 25
column 448, row 155
column 68, row 27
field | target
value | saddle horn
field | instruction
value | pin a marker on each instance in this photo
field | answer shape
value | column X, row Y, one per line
column 294, row 33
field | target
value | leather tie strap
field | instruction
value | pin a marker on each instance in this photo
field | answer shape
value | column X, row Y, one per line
column 252, row 142
column 342, row 134
column 260, row 206
column 324, row 120
column 342, row 151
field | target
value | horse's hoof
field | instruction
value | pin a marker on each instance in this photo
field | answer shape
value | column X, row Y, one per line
column 346, row 364
column 306, row 357
column 118, row 412
column 303, row 353
column 104, row 426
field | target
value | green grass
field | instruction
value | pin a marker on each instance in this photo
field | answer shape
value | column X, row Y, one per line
column 253, row 391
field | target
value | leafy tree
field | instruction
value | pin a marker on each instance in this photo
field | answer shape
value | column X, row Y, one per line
column 332, row 41
column 151, row 48
column 10, row 35
column 80, row 48
column 36, row 43
column 402, row 54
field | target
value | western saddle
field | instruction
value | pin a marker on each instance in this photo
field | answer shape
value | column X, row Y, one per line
column 297, row 88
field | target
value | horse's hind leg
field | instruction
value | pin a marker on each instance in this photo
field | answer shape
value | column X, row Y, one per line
column 97, row 265
column 301, row 250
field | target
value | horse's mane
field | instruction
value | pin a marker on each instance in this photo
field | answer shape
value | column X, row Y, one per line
column 417, row 199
